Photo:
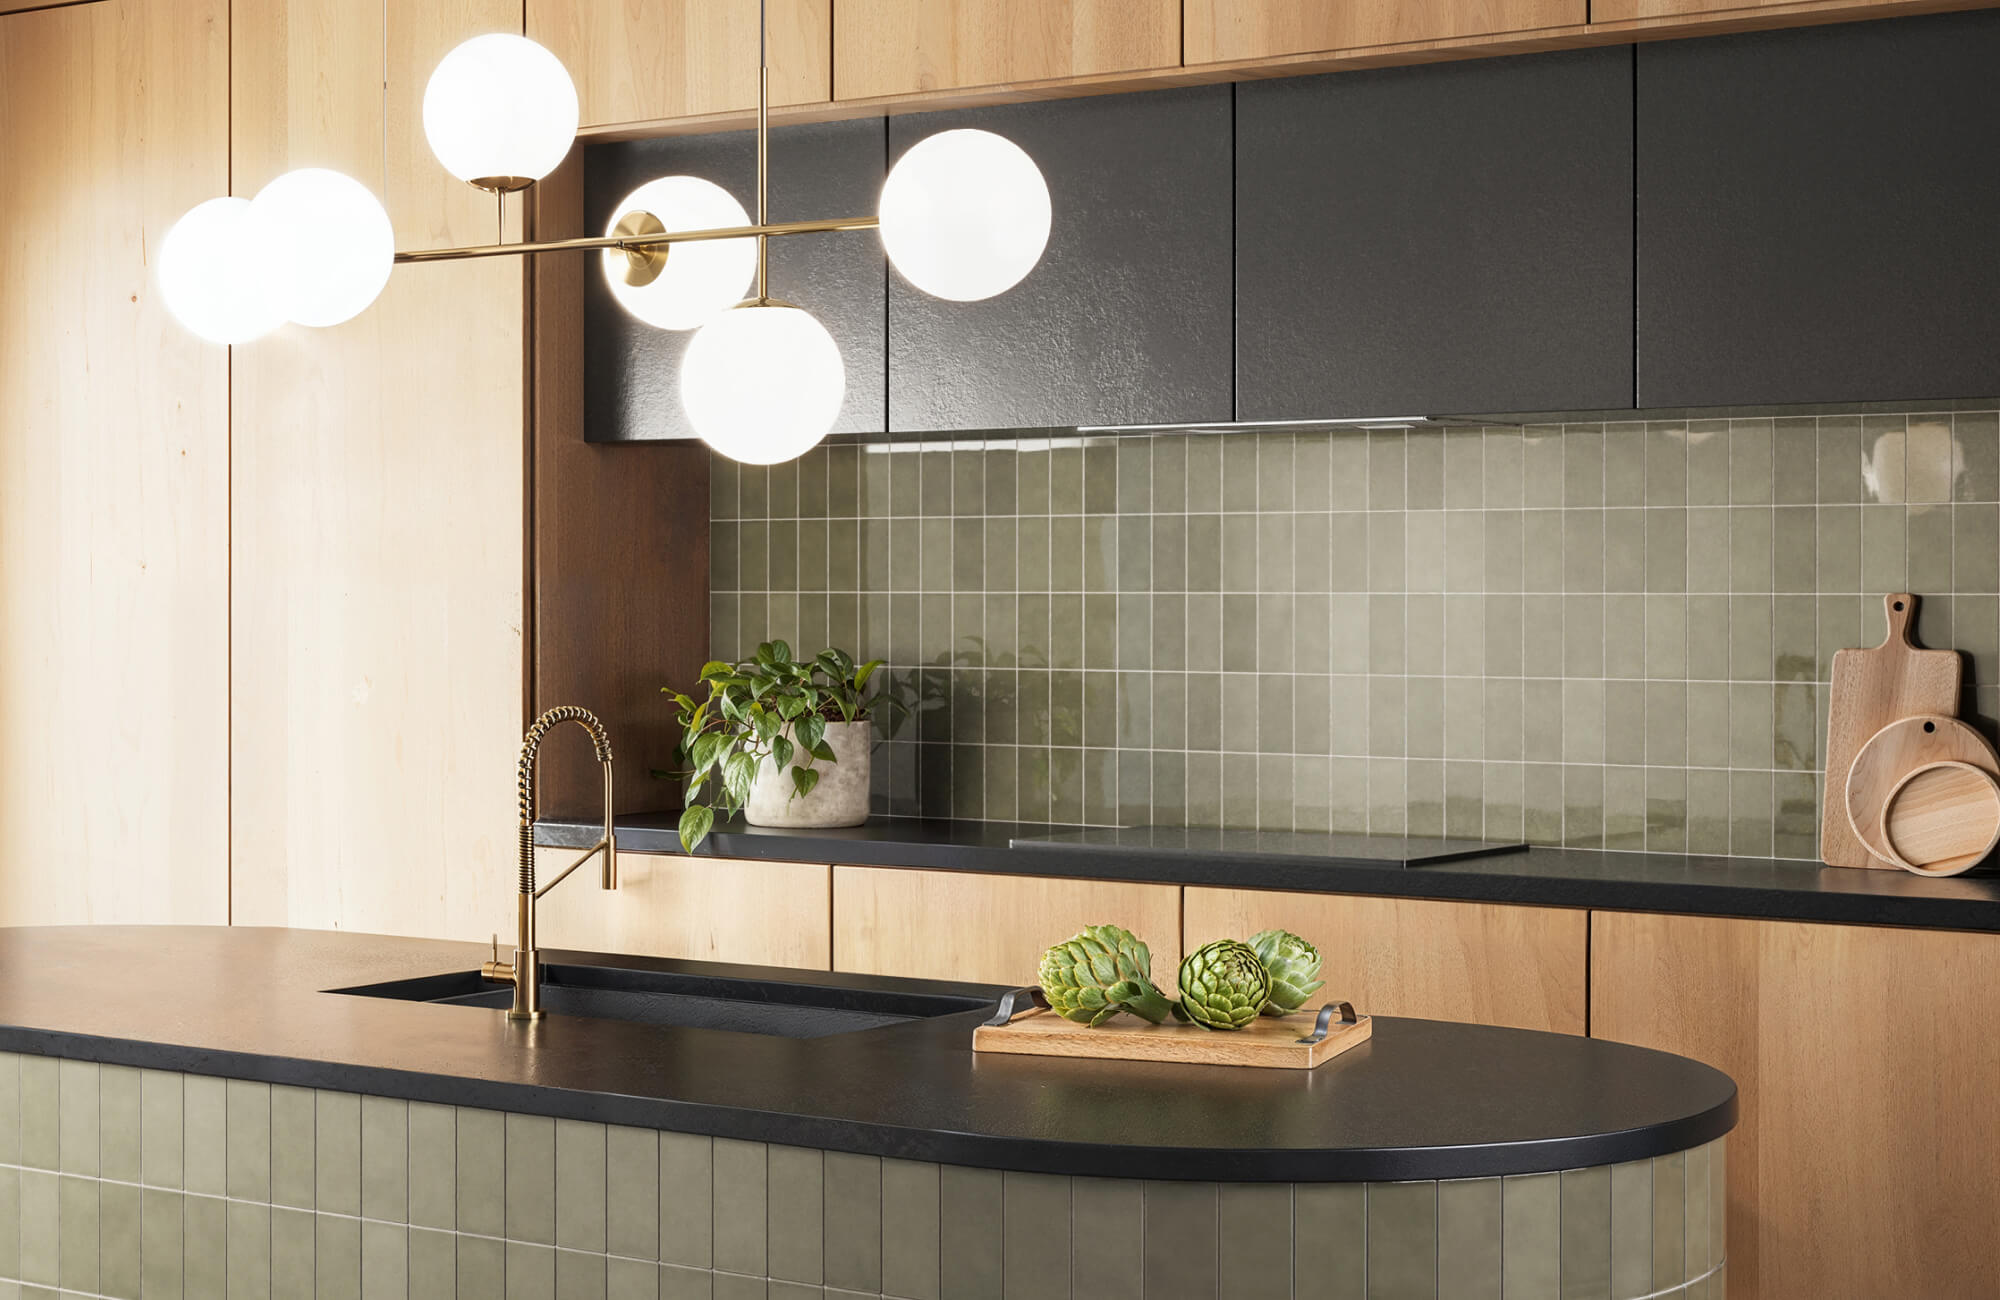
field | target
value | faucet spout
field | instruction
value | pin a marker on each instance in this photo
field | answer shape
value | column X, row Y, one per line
column 525, row 971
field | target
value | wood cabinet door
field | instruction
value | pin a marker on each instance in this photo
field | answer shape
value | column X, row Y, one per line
column 698, row 909
column 1486, row 963
column 641, row 60
column 1864, row 1163
column 1436, row 240
column 1812, row 214
column 899, row 47
column 987, row 929
column 1222, row 30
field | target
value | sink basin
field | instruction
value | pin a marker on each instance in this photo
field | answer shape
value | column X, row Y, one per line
column 688, row 1001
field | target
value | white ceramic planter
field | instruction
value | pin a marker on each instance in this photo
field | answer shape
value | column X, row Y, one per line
column 840, row 798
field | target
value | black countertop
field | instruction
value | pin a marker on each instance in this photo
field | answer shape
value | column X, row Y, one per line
column 1422, row 1100
column 1766, row 888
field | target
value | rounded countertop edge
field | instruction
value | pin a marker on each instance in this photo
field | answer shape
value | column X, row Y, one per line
column 970, row 1150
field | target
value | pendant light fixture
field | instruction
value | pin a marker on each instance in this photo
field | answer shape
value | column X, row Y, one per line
column 964, row 215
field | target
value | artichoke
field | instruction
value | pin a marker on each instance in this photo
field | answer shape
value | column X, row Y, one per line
column 1294, row 967
column 1224, row 985
column 1100, row 972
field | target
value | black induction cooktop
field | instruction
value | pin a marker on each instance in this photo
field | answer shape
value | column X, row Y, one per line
column 1290, row 846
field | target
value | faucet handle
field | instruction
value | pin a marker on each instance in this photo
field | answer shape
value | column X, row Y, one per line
column 499, row 972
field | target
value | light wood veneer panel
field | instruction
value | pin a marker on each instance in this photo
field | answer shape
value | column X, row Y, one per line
column 1218, row 30
column 700, row 909
column 890, row 47
column 114, row 471
column 377, row 554
column 638, row 59
column 1487, row 963
column 987, row 929
column 1866, row 1059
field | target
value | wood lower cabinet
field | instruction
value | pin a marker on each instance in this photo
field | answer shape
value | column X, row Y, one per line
column 990, row 929
column 698, row 909
column 895, row 47
column 1220, row 30
column 1864, row 1163
column 1486, row 963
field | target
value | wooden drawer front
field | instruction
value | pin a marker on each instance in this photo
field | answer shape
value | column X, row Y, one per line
column 990, row 929
column 1866, row 1059
column 898, row 47
column 1219, row 30
column 1485, row 963
column 702, row 909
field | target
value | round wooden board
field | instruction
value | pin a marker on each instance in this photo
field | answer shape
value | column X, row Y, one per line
column 1942, row 818
column 1893, row 753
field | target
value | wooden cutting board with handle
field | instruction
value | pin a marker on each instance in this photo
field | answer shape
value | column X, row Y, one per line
column 1888, row 760
column 1872, row 688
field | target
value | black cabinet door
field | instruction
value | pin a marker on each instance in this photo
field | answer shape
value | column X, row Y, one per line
column 1817, row 212
column 1444, row 239
column 834, row 169
column 1126, row 320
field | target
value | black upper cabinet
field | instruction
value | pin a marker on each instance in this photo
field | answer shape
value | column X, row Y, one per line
column 834, row 169
column 1127, row 318
column 1815, row 213
column 1433, row 240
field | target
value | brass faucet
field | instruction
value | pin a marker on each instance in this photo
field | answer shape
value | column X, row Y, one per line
column 525, row 971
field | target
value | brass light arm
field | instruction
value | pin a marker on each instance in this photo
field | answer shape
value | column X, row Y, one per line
column 639, row 243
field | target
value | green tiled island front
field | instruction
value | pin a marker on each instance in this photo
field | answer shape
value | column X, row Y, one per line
column 230, row 1126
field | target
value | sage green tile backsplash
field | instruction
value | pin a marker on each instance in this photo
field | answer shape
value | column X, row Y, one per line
column 1600, row 635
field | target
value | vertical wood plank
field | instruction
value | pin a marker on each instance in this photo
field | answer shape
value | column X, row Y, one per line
column 892, row 47
column 1218, row 30
column 696, row 908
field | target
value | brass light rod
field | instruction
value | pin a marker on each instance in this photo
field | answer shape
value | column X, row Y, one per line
column 630, row 243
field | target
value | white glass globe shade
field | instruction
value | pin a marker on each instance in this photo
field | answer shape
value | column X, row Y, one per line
column 700, row 279
column 209, row 280
column 762, row 384
column 325, row 243
column 965, row 214
column 500, row 108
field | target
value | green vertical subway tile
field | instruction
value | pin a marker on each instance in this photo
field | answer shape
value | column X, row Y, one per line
column 1708, row 638
column 1750, row 565
column 249, row 1232
column 628, row 1279
column 741, row 1196
column 1464, row 550
column 481, row 1268
column 1694, row 1230
column 1424, row 550
column 1975, row 630
column 1330, row 1241
column 795, row 1215
column 1423, row 635
column 688, row 1197
column 1501, row 648
column 1255, row 1238
column 854, row 1225
column 784, row 490
column 1837, row 549
column 1387, row 469
column 292, row 1258
column 692, row 1284
column 1583, row 465
column 160, row 1245
column 1238, row 474
column 1977, row 434
column 1502, row 791
column 1032, row 481
column 1464, row 469
column 1311, row 793
column 969, row 1251
column 1632, row 1228
column 1501, row 450
column 77, row 1118
column 1167, row 465
column 1542, row 803
column 1347, row 723
column 292, row 1124
column 1793, row 449
column 843, row 481
column 1718, row 1202
column 531, row 1271
column 1542, row 720
column 812, row 564
column 1885, row 561
column 1624, row 560
column 1839, row 459
column 910, row 1210
column 1386, row 628
column 1464, row 718
column 753, row 491
column 1794, row 728
column 39, row 1210
column 1707, row 812
column 1387, row 551
column 1708, row 738
column 204, row 1133
column 1388, row 796
column 1468, row 1239
column 249, row 1142
column 1750, row 814
column 10, row 1108
column 580, row 1276
column 1504, row 539
column 1708, row 559
column 160, row 1118
column 928, row 479
column 724, row 555
column 1841, row 622
column 1586, row 1235
column 968, row 553
column 1542, row 636
column 1625, row 636
column 1666, row 549
column 1388, row 717
column 1625, row 809
column 1750, row 638
column 1928, row 456
column 1423, row 469
column 843, row 555
column 1794, row 548
column 1541, row 466
column 1583, row 550
column 1347, row 795
column 1105, row 1254
column 1541, row 550
column 1531, row 1219
column 722, row 487
column 783, row 555
column 1311, row 626
column 1794, row 638
column 433, row 1159
column 1240, row 804
column 1169, row 562
column 1795, row 816
column 1464, row 801
column 1274, row 471
column 1423, row 798
column 1666, row 724
column 1975, row 548
column 1669, row 1220
column 1928, row 533
column 580, row 1181
column 1275, row 713
column 1582, row 721
column 119, row 1120
column 632, row 1192
column 1464, row 635
column 1402, row 1240
column 812, row 479
column 77, row 1212
column 385, row 1159
column 1501, row 719
column 1708, row 462
column 1625, row 722
column 1582, row 627
column 1035, row 1237
column 1666, row 464
column 482, row 1170
column 1750, row 469
column 1180, row 1256
column 1275, row 629
column 205, row 1248
column 1583, row 807
column 337, row 1160
column 10, row 1222
column 1666, row 810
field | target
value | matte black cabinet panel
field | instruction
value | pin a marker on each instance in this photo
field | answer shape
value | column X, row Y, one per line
column 1817, row 212
column 833, row 169
column 1436, row 240
column 1127, row 318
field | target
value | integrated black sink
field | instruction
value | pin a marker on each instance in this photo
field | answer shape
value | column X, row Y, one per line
column 688, row 1001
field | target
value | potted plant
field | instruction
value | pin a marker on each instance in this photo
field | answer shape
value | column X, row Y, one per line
column 783, row 741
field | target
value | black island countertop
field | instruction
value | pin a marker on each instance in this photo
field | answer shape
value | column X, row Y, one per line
column 1762, row 888
column 1422, row 1100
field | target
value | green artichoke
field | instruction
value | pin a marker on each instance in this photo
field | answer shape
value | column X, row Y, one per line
column 1294, row 967
column 1102, row 971
column 1224, row 985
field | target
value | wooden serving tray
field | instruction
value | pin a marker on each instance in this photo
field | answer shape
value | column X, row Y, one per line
column 1294, row 1042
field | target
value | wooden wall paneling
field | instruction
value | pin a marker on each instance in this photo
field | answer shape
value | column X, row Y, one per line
column 1250, row 29
column 378, row 555
column 675, row 58
column 887, row 47
column 696, row 908
column 990, row 929
column 1863, row 1163
column 1488, row 963
column 620, row 551
column 114, row 443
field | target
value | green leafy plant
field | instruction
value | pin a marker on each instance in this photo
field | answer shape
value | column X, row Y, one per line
column 770, row 706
